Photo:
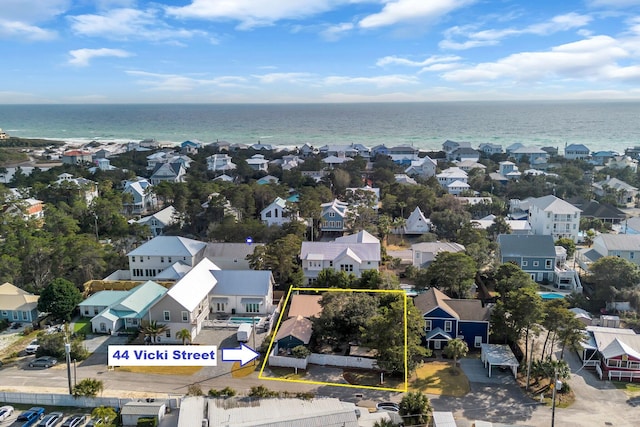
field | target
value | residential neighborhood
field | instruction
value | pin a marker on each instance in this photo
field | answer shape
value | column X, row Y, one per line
column 342, row 266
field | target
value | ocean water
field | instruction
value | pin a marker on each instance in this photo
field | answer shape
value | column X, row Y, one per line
column 599, row 125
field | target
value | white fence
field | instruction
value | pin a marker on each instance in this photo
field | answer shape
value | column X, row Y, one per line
column 321, row 359
column 61, row 400
column 620, row 375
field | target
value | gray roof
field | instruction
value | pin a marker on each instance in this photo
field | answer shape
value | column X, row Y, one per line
column 620, row 242
column 526, row 245
column 554, row 204
column 142, row 408
column 169, row 246
column 331, row 250
column 242, row 282
column 229, row 250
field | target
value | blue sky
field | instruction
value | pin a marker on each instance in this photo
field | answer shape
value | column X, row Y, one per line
column 220, row 51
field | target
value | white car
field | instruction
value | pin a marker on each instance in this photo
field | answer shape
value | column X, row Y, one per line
column 33, row 347
column 5, row 412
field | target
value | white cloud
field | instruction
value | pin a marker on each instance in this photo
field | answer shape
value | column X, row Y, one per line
column 613, row 3
column 81, row 57
column 492, row 37
column 23, row 31
column 297, row 78
column 379, row 81
column 396, row 60
column 592, row 59
column 397, row 11
column 253, row 13
column 335, row 32
column 32, row 10
column 127, row 23
column 176, row 82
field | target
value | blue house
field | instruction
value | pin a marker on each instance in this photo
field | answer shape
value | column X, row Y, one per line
column 447, row 318
column 333, row 216
column 533, row 253
column 17, row 305
column 294, row 332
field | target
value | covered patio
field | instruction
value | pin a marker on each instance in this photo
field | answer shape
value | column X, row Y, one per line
column 499, row 355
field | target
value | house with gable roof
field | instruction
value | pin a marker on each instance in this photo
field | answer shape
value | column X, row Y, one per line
column 576, row 152
column 622, row 162
column 305, row 305
column 352, row 254
column 17, row 305
column 158, row 221
column 614, row 352
column 122, row 309
column 257, row 162
column 143, row 197
column 424, row 253
column 623, row 193
column 190, row 147
column 447, row 318
column 220, row 162
column 417, row 223
column 490, row 149
column 333, row 216
column 242, row 292
column 424, row 167
column 278, row 213
column 403, row 154
column 159, row 253
column 186, row 304
column 550, row 215
column 532, row 155
column 168, row 172
column 87, row 189
column 76, row 157
column 293, row 332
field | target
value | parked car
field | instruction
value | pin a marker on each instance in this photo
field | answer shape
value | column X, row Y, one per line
column 51, row 420
column 31, row 416
column 16, row 325
column 5, row 412
column 43, row 362
column 32, row 347
column 388, row 406
column 75, row 420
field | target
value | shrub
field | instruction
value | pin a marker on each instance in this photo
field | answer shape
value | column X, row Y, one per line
column 262, row 392
column 225, row 392
column 147, row 422
column 300, row 352
column 194, row 390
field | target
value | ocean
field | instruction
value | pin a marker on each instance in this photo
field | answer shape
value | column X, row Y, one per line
column 600, row 125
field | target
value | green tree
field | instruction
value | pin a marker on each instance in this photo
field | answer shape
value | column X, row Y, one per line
column 184, row 335
column 88, row 387
column 455, row 349
column 451, row 272
column 568, row 244
column 153, row 329
column 343, row 315
column 105, row 415
column 60, row 298
column 415, row 408
column 447, row 222
column 330, row 278
column 384, row 423
column 281, row 257
column 498, row 227
column 300, row 352
column 612, row 274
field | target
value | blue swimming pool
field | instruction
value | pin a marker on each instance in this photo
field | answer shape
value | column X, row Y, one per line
column 244, row 320
column 550, row 295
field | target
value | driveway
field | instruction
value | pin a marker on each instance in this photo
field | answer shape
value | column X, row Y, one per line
column 478, row 374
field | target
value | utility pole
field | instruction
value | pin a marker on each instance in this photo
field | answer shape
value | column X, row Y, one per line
column 67, row 350
column 529, row 363
column 553, row 397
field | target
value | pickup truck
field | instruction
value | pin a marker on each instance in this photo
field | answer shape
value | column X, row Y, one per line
column 29, row 417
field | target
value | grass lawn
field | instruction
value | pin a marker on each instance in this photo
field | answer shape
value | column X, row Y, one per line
column 632, row 389
column 82, row 326
column 161, row 370
column 438, row 378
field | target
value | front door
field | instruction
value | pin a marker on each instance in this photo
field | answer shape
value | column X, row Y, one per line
column 437, row 344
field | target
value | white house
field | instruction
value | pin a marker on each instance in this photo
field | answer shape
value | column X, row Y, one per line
column 622, row 192
column 451, row 175
column 529, row 155
column 550, row 215
column 351, row 254
column 242, row 292
column 424, row 167
column 425, row 253
column 417, row 223
column 86, row 188
column 186, row 304
column 577, row 152
column 158, row 254
column 509, row 170
column 457, row 187
column 158, row 221
column 143, row 196
column 621, row 162
column 277, row 213
column 220, row 162
column 257, row 162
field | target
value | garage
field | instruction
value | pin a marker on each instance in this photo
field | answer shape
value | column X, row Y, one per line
column 499, row 355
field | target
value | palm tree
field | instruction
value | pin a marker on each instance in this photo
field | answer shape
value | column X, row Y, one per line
column 415, row 408
column 384, row 423
column 153, row 329
column 184, row 335
column 400, row 223
column 455, row 349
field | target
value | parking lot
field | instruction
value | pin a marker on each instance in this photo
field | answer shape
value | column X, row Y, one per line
column 64, row 417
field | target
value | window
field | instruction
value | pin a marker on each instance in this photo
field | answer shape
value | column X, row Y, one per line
column 5, row 313
column 477, row 341
column 525, row 263
column 14, row 315
column 437, row 345
column 427, row 325
column 169, row 259
column 632, row 255
column 134, row 322
column 185, row 316
column 332, row 214
column 536, row 263
column 330, row 263
column 548, row 263
column 252, row 308
column 161, row 259
column 133, row 259
column 168, row 333
column 268, row 214
column 167, row 315
column 346, row 267
column 448, row 326
column 220, row 306
column 141, row 260
column 95, row 310
column 25, row 315
column 86, row 312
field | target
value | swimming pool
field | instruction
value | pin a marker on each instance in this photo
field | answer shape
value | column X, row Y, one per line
column 255, row 320
column 550, row 295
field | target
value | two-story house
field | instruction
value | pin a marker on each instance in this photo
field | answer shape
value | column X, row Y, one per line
column 168, row 172
column 352, row 254
column 621, row 192
column 490, row 149
column 550, row 215
column 451, row 175
column 333, row 216
column 278, row 213
column 531, row 155
column 87, row 189
column 424, row 253
column 257, row 162
column 220, row 162
column 424, row 167
column 242, row 292
column 158, row 221
column 142, row 196
column 576, row 152
column 158, row 254
column 534, row 254
column 625, row 246
column 186, row 304
column 447, row 318
column 417, row 223
column 403, row 154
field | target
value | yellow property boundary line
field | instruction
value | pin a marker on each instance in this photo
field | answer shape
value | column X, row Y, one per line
column 275, row 332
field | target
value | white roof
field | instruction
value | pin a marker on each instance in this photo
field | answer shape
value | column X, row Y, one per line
column 452, row 172
column 443, row 419
column 191, row 411
column 362, row 236
column 554, row 204
column 242, row 282
column 169, row 246
column 619, row 242
column 333, row 250
column 499, row 355
column 195, row 285
column 166, row 216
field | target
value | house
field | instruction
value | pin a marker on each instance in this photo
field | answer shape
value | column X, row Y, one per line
column 333, row 216
column 278, row 213
column 451, row 175
column 513, row 147
column 367, row 196
column 257, row 162
column 288, row 162
column 242, row 292
column 190, row 147
column 154, row 256
column 464, row 154
column 622, row 192
column 621, row 162
column 76, row 157
column 534, row 254
column 261, row 147
column 600, row 158
column 489, row 149
column 613, row 352
column 604, row 212
column 450, row 146
column 333, row 161
column 305, row 305
column 143, row 196
column 103, row 165
column 576, row 152
column 220, row 162
column 532, row 155
column 230, row 256
column 509, row 170
column 186, row 304
column 87, row 189
column 293, row 332
column 122, row 309
column 517, row 226
column 168, row 172
column 467, row 165
column 28, row 209
column 380, row 150
column 403, row 154
column 224, row 178
column 457, row 187
column 17, row 305
column 417, row 223
column 402, row 178
column 160, row 220
column 338, row 150
column 424, row 167
column 3, row 134
column 550, row 215
column 425, row 253
column 352, row 254
column 308, row 150
column 131, row 412
column 625, row 246
column 447, row 318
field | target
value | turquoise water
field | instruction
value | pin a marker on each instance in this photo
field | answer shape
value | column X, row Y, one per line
column 550, row 295
column 244, row 320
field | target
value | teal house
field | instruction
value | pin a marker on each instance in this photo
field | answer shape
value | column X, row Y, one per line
column 294, row 332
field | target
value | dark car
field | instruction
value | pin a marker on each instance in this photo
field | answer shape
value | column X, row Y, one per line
column 43, row 362
column 53, row 419
column 75, row 420
column 31, row 416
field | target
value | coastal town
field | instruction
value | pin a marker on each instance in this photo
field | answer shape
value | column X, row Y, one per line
column 355, row 286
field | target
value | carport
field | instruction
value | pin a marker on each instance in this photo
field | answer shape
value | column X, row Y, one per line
column 499, row 355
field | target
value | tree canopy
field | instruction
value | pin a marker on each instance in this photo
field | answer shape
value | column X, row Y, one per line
column 59, row 298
